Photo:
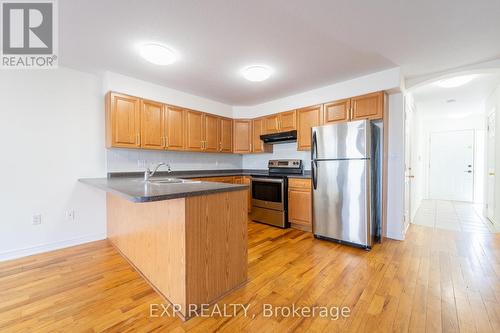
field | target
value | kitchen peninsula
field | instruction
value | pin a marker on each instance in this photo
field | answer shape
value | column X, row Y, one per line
column 187, row 238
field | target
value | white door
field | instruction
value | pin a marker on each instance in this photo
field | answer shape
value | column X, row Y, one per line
column 490, row 181
column 451, row 169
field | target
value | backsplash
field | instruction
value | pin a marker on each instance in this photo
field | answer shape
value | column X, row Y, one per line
column 280, row 151
column 121, row 160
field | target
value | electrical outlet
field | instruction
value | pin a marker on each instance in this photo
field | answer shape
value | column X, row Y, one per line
column 70, row 215
column 37, row 219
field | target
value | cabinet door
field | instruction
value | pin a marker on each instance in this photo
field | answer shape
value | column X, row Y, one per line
column 123, row 121
column 271, row 124
column 174, row 117
column 211, row 133
column 288, row 121
column 226, row 135
column 242, row 136
column 257, row 131
column 248, row 181
column 299, row 206
column 337, row 112
column 370, row 106
column 152, row 125
column 194, row 130
column 307, row 118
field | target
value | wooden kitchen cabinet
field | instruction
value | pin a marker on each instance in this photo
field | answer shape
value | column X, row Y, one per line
column 300, row 203
column 337, row 111
column 242, row 132
column 307, row 118
column 123, row 121
column 211, row 133
column 152, row 125
column 288, row 121
column 280, row 122
column 194, row 130
column 370, row 106
column 270, row 124
column 226, row 135
column 258, row 145
column 247, row 180
column 174, row 124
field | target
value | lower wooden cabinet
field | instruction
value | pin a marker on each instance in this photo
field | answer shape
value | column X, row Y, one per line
column 300, row 203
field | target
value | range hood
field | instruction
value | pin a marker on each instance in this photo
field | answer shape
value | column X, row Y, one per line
column 283, row 137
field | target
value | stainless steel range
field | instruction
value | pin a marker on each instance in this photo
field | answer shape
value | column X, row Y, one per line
column 269, row 192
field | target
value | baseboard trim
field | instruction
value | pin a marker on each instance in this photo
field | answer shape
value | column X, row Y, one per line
column 28, row 251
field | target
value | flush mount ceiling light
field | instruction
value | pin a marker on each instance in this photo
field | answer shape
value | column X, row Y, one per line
column 257, row 73
column 455, row 81
column 157, row 54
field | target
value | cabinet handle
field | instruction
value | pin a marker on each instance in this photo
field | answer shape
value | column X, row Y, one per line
column 166, row 141
column 138, row 139
column 351, row 114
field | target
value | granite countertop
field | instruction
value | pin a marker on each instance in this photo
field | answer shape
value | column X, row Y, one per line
column 131, row 186
column 136, row 190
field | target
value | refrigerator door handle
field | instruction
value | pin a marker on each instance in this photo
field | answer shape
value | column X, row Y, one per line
column 314, row 148
column 314, row 176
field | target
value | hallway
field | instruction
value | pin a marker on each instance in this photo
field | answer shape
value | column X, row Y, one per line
column 453, row 215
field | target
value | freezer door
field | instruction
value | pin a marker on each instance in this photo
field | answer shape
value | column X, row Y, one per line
column 341, row 141
column 341, row 202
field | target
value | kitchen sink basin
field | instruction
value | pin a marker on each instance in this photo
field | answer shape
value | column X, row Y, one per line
column 171, row 181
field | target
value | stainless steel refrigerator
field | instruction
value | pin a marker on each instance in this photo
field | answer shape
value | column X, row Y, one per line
column 347, row 182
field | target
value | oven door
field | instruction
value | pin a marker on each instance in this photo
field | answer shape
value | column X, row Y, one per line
column 268, row 193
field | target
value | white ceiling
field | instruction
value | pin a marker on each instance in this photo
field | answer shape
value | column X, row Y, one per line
column 431, row 100
column 309, row 43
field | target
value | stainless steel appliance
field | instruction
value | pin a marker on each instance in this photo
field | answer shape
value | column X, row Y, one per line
column 269, row 192
column 347, row 182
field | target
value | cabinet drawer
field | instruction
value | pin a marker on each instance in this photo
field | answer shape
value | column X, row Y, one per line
column 299, row 183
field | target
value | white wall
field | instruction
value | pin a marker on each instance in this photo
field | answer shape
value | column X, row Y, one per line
column 52, row 133
column 280, row 151
column 384, row 80
column 135, row 87
column 396, row 168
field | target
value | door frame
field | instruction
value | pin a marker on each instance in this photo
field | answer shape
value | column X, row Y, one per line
column 487, row 185
column 429, row 153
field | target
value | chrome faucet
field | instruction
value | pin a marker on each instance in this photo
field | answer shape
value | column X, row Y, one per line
column 148, row 173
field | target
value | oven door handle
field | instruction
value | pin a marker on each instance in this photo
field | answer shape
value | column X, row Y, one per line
column 267, row 180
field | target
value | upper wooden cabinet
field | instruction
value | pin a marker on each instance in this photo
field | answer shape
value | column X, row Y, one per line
column 336, row 112
column 152, row 125
column 242, row 136
column 280, row 122
column 288, row 121
column 174, row 124
column 370, row 106
column 270, row 124
column 307, row 118
column 258, row 145
column 211, row 133
column 123, row 121
column 226, row 135
column 194, row 130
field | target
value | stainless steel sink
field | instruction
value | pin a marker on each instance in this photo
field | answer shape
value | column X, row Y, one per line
column 171, row 181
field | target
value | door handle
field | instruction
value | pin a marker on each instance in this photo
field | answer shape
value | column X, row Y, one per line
column 314, row 153
column 491, row 174
column 314, row 176
column 468, row 171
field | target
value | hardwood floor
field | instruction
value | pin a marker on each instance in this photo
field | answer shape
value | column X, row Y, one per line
column 436, row 280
